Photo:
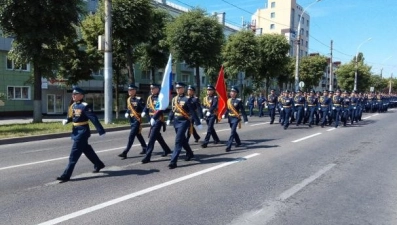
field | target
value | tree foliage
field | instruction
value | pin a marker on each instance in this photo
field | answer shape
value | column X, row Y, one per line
column 379, row 83
column 196, row 39
column 37, row 28
column 346, row 73
column 312, row 69
column 240, row 54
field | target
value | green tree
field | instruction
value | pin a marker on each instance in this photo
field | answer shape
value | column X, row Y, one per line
column 379, row 83
column 240, row 54
column 196, row 39
column 346, row 73
column 287, row 75
column 37, row 27
column 311, row 70
column 273, row 50
column 154, row 52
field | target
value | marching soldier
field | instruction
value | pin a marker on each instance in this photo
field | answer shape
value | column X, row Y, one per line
column 337, row 107
column 79, row 113
column 135, row 106
column 260, row 102
column 324, row 107
column 272, row 105
column 353, row 107
column 251, row 104
column 292, row 96
column 346, row 107
column 156, row 118
column 311, row 107
column 299, row 101
column 287, row 107
column 210, row 111
column 182, row 114
column 331, row 112
column 280, row 107
column 379, row 102
column 197, row 108
column 235, row 109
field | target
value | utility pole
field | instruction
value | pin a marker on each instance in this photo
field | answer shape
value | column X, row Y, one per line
column 108, row 70
column 331, row 73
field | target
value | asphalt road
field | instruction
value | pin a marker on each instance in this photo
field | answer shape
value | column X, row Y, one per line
column 297, row 176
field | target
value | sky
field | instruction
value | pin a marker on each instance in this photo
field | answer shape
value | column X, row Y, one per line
column 348, row 23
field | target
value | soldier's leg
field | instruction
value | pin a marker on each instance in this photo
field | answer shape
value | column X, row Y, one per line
column 154, row 132
column 141, row 140
column 180, row 140
column 134, row 129
column 73, row 158
column 233, row 125
column 213, row 131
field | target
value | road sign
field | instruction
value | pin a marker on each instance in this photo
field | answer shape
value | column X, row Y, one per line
column 301, row 84
column 371, row 89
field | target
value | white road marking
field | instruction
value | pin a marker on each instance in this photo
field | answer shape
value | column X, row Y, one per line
column 272, row 208
column 331, row 129
column 141, row 192
column 376, row 114
column 366, row 117
column 217, row 131
column 56, row 159
column 307, row 137
column 258, row 124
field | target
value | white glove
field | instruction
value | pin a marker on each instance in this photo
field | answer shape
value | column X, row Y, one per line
column 223, row 116
column 168, row 122
column 266, row 106
column 282, row 109
column 201, row 120
column 305, row 109
column 126, row 115
column 319, row 108
column 246, row 122
column 333, row 107
column 207, row 114
column 205, row 110
column 143, row 114
column 64, row 122
column 152, row 121
column 199, row 127
column 354, row 107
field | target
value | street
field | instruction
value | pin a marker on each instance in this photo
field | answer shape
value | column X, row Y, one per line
column 301, row 175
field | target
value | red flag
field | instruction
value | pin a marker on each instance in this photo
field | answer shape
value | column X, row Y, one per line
column 222, row 96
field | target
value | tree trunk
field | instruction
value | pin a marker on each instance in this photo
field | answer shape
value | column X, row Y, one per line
column 117, row 92
column 198, row 89
column 153, row 77
column 37, row 112
column 130, row 66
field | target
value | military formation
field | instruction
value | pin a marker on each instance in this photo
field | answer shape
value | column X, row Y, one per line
column 187, row 114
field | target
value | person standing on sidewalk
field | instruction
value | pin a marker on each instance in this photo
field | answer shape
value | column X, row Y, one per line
column 210, row 110
column 156, row 118
column 135, row 106
column 79, row 113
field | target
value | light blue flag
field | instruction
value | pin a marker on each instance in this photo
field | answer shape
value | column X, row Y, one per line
column 164, row 96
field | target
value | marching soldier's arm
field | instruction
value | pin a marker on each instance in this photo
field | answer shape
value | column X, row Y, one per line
column 146, row 111
column 214, row 105
column 171, row 115
column 192, row 112
column 199, row 108
column 243, row 111
column 94, row 119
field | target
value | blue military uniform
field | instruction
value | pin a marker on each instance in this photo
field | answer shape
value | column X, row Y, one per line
column 271, row 105
column 336, row 105
column 210, row 111
column 354, row 102
column 299, row 102
column 154, row 134
column 182, row 114
column 135, row 106
column 288, row 108
column 311, row 106
column 79, row 113
column 260, row 101
column 324, row 107
column 346, row 108
column 251, row 104
column 235, row 109
column 197, row 108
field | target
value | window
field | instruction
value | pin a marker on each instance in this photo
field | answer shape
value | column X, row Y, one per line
column 18, row 93
column 272, row 26
column 185, row 77
column 11, row 66
column 273, row 15
column 145, row 75
column 307, row 22
column 202, row 80
column 303, row 20
column 307, row 44
column 273, row 5
column 307, row 33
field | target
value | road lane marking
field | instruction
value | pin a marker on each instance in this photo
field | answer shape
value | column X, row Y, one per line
column 272, row 208
column 258, row 124
column 55, row 159
column 307, row 137
column 141, row 192
column 331, row 129
column 366, row 117
column 217, row 131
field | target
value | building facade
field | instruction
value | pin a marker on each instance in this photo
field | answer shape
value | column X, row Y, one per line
column 282, row 17
column 56, row 96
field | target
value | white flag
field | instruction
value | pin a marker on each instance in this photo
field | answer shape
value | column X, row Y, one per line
column 164, row 96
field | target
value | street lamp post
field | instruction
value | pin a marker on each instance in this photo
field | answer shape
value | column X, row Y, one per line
column 298, row 42
column 355, row 73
